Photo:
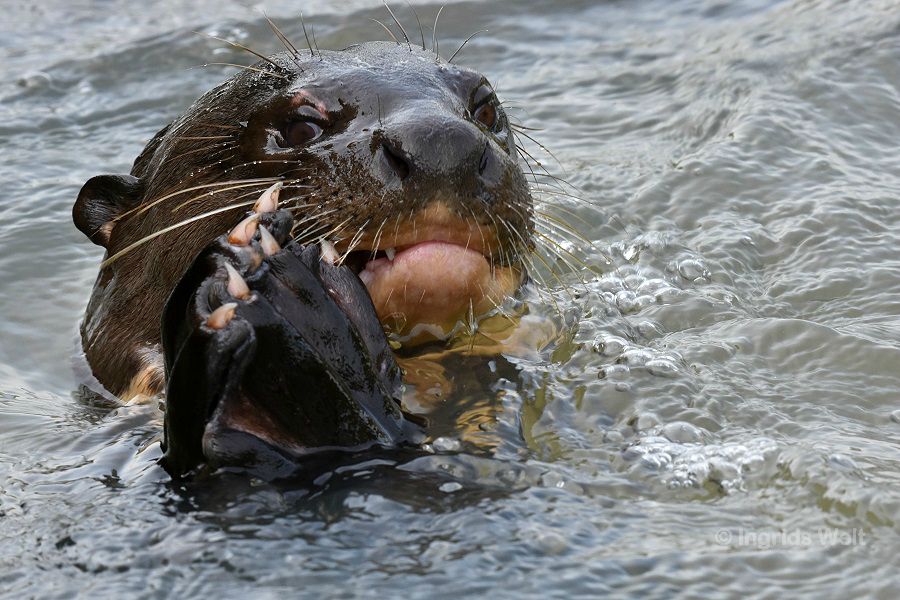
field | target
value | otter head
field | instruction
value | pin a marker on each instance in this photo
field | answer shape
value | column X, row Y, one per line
column 402, row 164
column 411, row 171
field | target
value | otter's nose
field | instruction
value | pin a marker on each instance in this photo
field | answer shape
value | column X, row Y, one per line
column 416, row 148
column 394, row 160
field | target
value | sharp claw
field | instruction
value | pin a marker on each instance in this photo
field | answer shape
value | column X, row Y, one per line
column 244, row 231
column 329, row 252
column 267, row 242
column 268, row 201
column 237, row 287
column 222, row 316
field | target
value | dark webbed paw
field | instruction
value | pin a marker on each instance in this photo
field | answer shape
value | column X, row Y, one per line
column 272, row 353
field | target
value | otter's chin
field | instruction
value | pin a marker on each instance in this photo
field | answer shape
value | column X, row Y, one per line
column 430, row 287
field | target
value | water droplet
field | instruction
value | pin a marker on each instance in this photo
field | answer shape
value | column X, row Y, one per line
column 692, row 269
column 450, row 487
column 646, row 421
column 446, row 444
column 610, row 346
column 662, row 367
column 614, row 372
column 630, row 252
column 626, row 301
column 636, row 357
column 680, row 431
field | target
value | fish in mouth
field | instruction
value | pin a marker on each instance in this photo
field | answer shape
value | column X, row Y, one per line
column 282, row 225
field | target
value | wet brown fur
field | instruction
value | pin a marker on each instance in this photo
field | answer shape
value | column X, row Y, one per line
column 209, row 145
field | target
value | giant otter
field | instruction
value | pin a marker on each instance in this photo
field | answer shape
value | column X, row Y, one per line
column 269, row 225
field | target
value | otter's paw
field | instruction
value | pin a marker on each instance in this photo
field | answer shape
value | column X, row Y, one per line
column 272, row 353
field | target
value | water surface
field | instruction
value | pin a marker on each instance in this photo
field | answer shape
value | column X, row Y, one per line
column 719, row 417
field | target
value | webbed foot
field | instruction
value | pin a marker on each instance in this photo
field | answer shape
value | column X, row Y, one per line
column 274, row 353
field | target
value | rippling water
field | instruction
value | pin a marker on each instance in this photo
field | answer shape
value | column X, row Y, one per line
column 720, row 415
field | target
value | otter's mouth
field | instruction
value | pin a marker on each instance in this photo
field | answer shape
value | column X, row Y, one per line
column 432, row 273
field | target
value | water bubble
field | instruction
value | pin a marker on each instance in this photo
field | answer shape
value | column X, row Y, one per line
column 610, row 283
column 692, row 269
column 613, row 436
column 544, row 539
column 842, row 462
column 34, row 79
column 552, row 479
column 608, row 298
column 722, row 470
column 662, row 367
column 610, row 346
column 634, row 281
column 630, row 252
column 450, row 487
column 656, row 241
column 636, row 357
column 668, row 295
column 626, row 301
column 682, row 432
column 649, row 329
column 446, row 444
column 614, row 372
column 646, row 421
column 652, row 286
column 692, row 463
column 644, row 301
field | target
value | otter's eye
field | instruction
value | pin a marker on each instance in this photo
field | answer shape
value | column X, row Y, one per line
column 298, row 133
column 486, row 109
column 487, row 115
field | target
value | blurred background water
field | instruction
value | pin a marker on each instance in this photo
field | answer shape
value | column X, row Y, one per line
column 720, row 418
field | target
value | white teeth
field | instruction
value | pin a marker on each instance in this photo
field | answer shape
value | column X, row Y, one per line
column 366, row 277
column 329, row 252
column 391, row 252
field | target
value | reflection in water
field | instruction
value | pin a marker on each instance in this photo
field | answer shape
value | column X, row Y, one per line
column 707, row 354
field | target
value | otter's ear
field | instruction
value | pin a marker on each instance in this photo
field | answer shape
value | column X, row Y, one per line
column 100, row 201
